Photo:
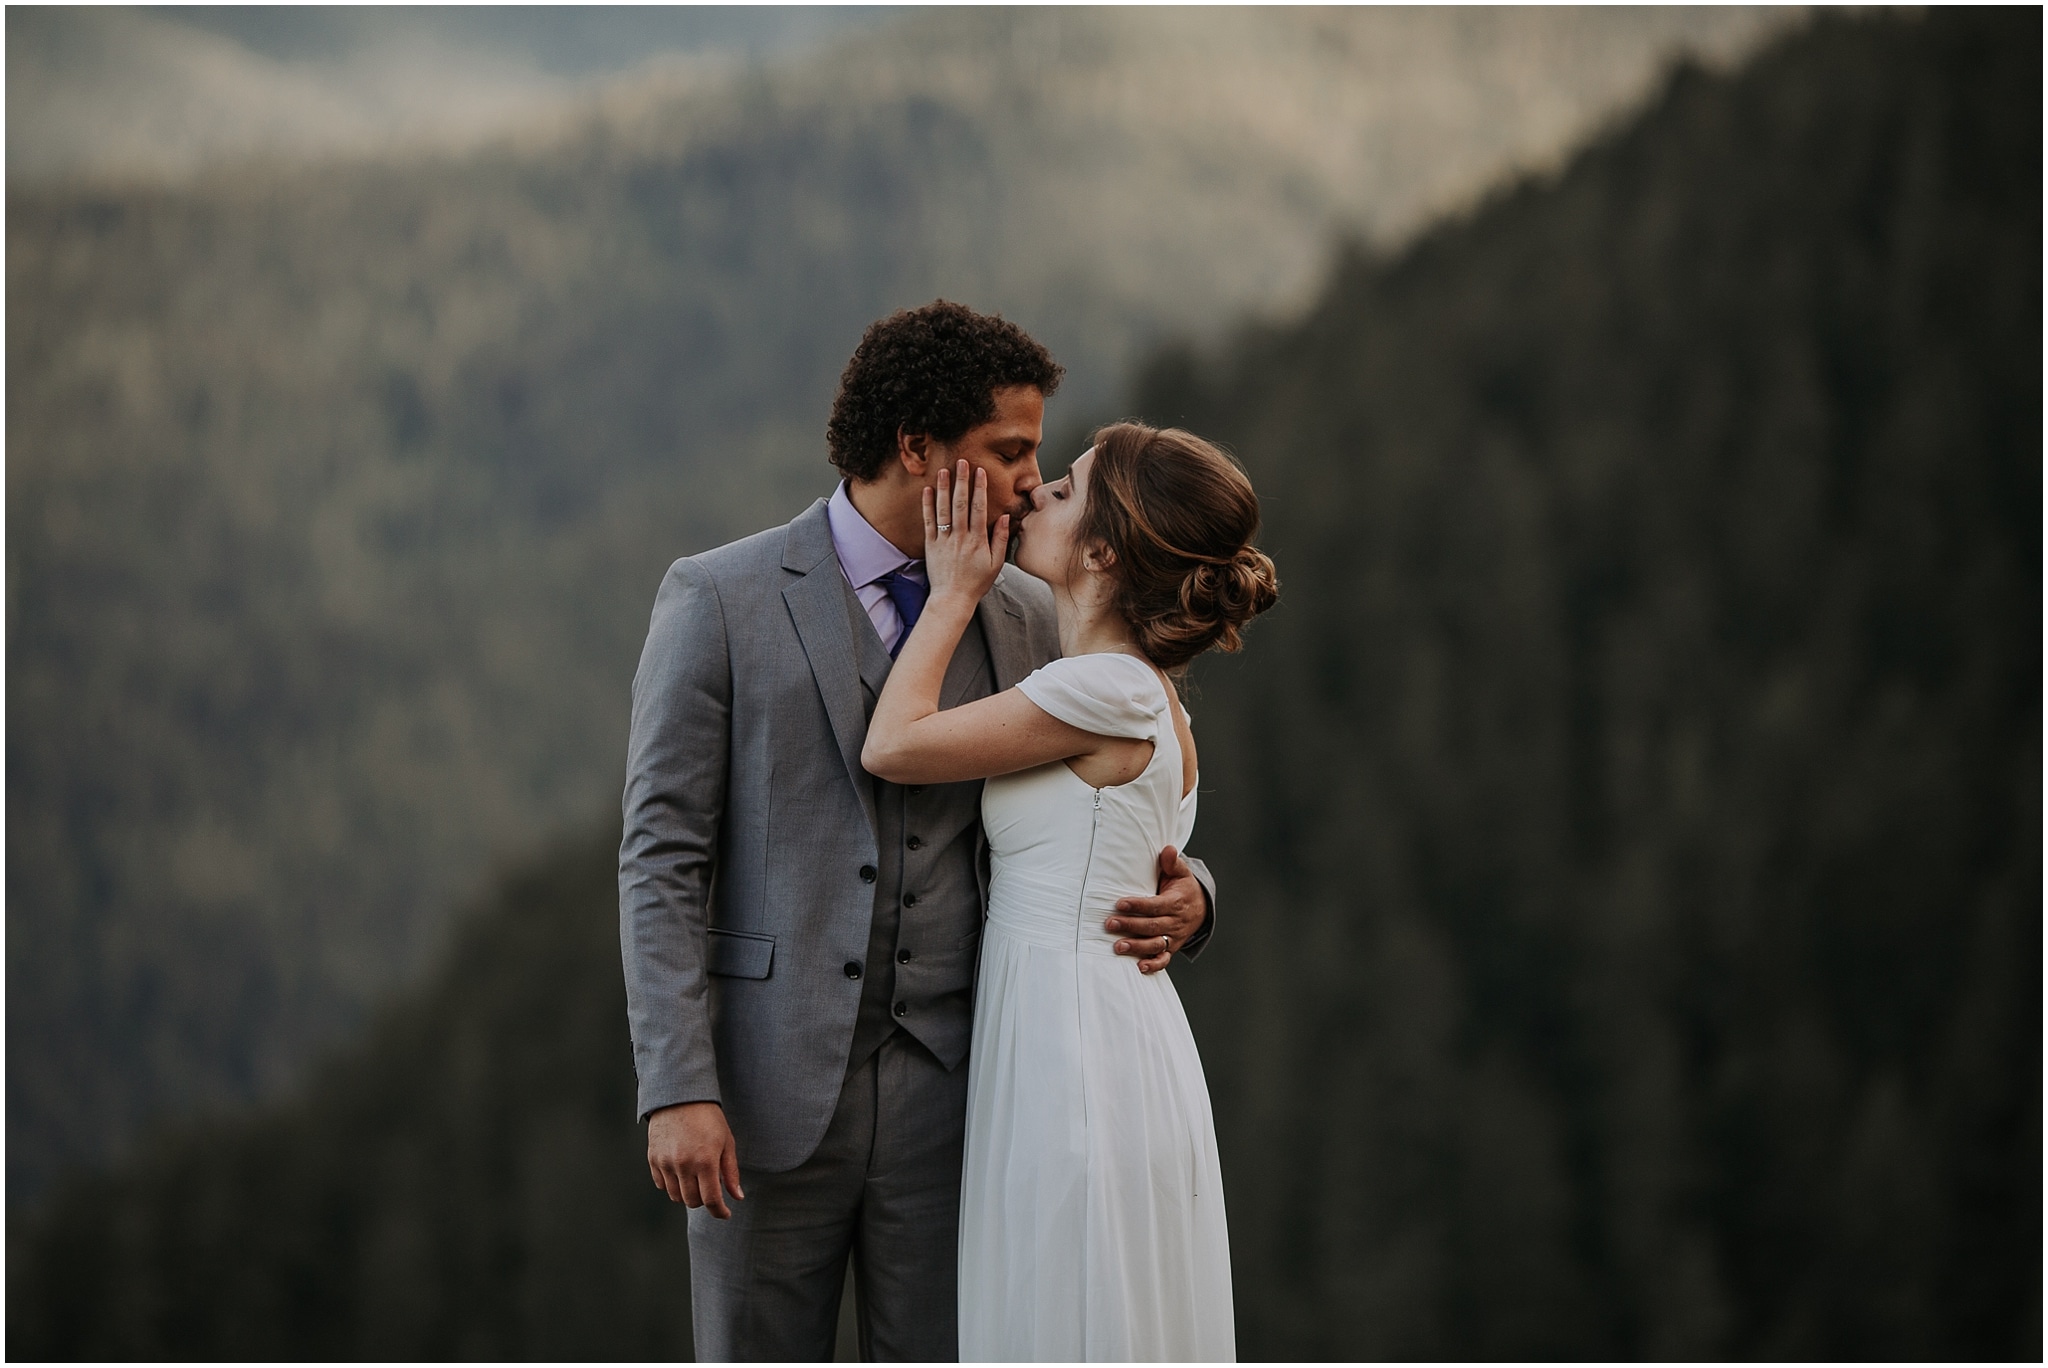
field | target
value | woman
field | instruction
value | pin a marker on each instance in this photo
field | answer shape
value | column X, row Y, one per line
column 1091, row 1203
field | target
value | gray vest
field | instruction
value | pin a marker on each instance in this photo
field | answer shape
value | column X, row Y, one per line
column 929, row 879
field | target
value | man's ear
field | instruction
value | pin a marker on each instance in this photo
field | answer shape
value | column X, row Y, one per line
column 914, row 451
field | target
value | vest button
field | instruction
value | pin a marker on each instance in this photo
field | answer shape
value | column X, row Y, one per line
column 853, row 969
column 902, row 1009
column 917, row 788
column 867, row 873
column 910, row 899
column 915, row 843
column 903, row 957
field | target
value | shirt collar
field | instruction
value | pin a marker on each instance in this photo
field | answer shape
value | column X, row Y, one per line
column 865, row 555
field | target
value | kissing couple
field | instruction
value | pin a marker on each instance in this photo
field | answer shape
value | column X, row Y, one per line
column 901, row 867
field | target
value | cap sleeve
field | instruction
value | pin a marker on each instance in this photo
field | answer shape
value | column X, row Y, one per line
column 1107, row 694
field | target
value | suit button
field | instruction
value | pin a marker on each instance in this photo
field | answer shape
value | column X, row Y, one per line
column 903, row 957
column 910, row 899
column 867, row 873
column 853, row 969
column 915, row 843
column 902, row 1009
column 917, row 788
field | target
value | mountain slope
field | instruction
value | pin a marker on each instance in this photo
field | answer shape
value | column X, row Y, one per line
column 467, row 1183
column 337, row 496
column 1638, row 786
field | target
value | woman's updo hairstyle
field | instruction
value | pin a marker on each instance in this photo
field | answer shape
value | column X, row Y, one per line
column 1179, row 516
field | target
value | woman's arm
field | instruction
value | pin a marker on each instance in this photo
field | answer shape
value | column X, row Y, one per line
column 910, row 741
column 997, row 735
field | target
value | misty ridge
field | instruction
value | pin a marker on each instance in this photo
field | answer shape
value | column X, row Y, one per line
column 338, row 492
column 154, row 95
column 1628, row 822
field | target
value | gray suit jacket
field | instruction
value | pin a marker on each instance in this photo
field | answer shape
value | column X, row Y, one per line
column 747, row 873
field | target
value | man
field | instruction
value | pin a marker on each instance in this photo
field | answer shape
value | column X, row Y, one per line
column 799, row 938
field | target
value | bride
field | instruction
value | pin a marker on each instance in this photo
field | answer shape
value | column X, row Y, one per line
column 1091, row 1204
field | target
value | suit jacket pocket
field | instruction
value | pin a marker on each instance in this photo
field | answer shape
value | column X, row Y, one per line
column 741, row 954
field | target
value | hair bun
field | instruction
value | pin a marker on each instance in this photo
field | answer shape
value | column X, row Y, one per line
column 1179, row 515
column 1218, row 599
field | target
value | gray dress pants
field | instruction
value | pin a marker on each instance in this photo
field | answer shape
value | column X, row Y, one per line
column 883, row 1188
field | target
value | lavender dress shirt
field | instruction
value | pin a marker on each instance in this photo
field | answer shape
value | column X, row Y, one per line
column 865, row 555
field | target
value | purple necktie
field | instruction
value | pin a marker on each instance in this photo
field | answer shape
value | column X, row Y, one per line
column 908, row 595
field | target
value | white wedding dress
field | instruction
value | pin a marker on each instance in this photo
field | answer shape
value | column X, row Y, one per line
column 1091, row 1203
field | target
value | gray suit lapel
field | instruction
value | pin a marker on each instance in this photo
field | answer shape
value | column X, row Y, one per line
column 969, row 663
column 874, row 660
column 1002, row 627
column 969, row 666
column 817, row 607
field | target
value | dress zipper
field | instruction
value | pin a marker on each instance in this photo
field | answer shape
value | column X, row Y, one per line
column 1080, row 919
column 1087, row 867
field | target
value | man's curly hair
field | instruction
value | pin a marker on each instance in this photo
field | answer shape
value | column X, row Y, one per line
column 933, row 370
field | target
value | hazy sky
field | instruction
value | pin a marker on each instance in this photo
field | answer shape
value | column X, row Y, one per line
column 159, row 92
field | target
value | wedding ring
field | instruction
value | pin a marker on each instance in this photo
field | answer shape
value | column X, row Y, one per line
column 945, row 527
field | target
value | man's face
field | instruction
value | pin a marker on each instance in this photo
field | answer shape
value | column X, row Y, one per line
column 1006, row 446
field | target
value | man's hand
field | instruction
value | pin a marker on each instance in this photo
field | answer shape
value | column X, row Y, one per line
column 1153, row 928
column 691, row 1154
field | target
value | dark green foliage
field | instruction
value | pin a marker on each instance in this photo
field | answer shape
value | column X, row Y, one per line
column 468, row 1183
column 1630, row 817
column 1628, row 822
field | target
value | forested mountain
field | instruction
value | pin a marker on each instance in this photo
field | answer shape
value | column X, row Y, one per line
column 1633, row 808
column 467, row 1182
column 1628, row 823
column 337, row 496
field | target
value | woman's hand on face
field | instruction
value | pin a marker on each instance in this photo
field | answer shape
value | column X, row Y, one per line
column 962, row 553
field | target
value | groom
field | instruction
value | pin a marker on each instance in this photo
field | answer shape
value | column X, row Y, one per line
column 799, row 937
